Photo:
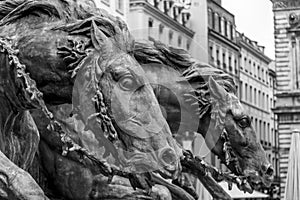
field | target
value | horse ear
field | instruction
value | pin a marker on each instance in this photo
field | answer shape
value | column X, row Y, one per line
column 216, row 90
column 99, row 39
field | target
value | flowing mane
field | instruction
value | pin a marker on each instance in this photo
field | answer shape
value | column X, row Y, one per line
column 191, row 69
column 63, row 9
column 72, row 15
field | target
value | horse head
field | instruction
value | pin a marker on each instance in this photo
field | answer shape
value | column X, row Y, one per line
column 131, row 108
column 238, row 146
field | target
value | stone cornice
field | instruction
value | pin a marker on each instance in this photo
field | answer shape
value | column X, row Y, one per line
column 223, row 39
column 285, row 4
column 144, row 5
column 254, row 51
column 288, row 94
column 286, row 109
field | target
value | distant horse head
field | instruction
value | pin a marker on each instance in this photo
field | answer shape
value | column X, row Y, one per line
column 206, row 97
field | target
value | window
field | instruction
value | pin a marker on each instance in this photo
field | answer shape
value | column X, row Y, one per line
column 245, row 62
column 255, row 101
column 264, row 132
column 161, row 31
column 224, row 61
column 170, row 37
column 267, row 102
column 285, row 117
column 255, row 123
column 229, row 63
column 268, row 133
column 218, row 58
column 259, row 101
column 211, row 53
column 225, row 27
column 175, row 12
column 246, row 91
column 179, row 41
column 271, row 102
column 263, row 100
column 260, row 130
column 188, row 45
column 150, row 23
column 150, row 27
column 220, row 24
column 231, row 32
column 235, row 66
column 213, row 20
column 156, row 3
column 120, row 6
column 241, row 90
column 250, row 96
column 262, row 75
column 249, row 68
column 210, row 17
column 216, row 25
column 258, row 72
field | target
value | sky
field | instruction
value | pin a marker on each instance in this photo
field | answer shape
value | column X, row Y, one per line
column 254, row 18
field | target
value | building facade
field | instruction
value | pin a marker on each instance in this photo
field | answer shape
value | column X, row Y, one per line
column 257, row 94
column 223, row 50
column 165, row 21
column 118, row 8
column 287, row 107
column 254, row 74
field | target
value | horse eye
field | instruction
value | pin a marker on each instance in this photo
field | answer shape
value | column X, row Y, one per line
column 127, row 83
column 244, row 122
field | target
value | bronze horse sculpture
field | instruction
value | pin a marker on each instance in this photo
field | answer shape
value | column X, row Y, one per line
column 198, row 98
column 77, row 54
column 67, row 42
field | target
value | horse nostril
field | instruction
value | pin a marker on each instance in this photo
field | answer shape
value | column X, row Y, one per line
column 167, row 156
column 270, row 171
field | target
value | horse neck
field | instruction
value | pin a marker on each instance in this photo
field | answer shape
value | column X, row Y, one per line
column 204, row 123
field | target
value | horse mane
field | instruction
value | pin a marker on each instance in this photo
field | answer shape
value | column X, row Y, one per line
column 10, row 10
column 194, row 71
column 73, row 14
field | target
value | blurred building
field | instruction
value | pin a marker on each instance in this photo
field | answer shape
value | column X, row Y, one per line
column 223, row 50
column 166, row 21
column 118, row 8
column 287, row 48
column 254, row 74
column 257, row 94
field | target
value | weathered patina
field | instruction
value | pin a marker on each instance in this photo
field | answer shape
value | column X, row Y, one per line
column 103, row 135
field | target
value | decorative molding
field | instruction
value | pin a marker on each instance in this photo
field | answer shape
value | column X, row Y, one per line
column 285, row 4
column 259, row 54
column 224, row 39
